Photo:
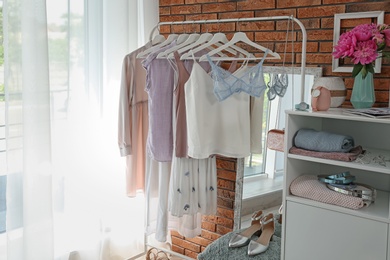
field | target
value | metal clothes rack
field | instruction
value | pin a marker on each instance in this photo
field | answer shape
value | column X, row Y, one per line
column 303, row 66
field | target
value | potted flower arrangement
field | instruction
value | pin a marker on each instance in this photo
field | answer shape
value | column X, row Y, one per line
column 363, row 45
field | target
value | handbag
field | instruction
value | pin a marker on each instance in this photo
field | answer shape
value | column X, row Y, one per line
column 275, row 140
column 275, row 137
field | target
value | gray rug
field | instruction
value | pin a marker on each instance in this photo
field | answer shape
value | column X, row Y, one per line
column 219, row 249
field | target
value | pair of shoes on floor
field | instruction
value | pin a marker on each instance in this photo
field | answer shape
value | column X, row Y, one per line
column 261, row 225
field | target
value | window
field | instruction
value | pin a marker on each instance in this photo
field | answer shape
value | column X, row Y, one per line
column 3, row 178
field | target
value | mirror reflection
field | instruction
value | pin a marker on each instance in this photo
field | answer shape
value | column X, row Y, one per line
column 263, row 171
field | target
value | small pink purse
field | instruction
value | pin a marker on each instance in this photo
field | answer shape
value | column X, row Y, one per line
column 275, row 140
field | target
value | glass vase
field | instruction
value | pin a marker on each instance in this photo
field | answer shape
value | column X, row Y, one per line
column 363, row 93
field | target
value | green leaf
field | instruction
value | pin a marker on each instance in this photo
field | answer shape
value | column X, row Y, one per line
column 356, row 69
column 381, row 46
column 370, row 68
column 364, row 71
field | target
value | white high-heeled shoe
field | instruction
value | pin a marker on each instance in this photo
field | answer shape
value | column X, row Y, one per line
column 267, row 231
column 243, row 238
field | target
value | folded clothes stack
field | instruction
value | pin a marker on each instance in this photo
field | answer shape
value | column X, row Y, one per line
column 321, row 144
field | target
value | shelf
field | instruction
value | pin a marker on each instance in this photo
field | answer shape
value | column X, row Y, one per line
column 356, row 227
column 378, row 211
column 373, row 167
column 338, row 113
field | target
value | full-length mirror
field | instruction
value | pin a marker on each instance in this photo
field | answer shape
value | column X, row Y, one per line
column 260, row 176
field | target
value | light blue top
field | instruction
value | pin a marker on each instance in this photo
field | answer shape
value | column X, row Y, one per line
column 227, row 83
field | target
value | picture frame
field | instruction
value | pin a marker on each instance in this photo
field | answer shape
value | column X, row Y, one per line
column 336, row 63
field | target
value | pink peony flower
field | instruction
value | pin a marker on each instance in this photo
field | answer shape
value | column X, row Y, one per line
column 345, row 46
column 364, row 32
column 365, row 52
column 386, row 34
column 363, row 44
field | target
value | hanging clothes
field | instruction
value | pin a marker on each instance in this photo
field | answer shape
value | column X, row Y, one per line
column 159, row 86
column 215, row 127
column 193, row 182
column 133, row 120
column 159, row 145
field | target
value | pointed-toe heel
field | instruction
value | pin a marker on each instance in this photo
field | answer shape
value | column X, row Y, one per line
column 243, row 238
column 262, row 243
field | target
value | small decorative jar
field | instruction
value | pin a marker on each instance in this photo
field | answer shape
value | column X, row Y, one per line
column 337, row 89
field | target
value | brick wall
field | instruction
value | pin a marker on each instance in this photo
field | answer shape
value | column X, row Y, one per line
column 317, row 17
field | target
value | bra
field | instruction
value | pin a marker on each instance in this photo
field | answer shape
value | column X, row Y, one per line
column 227, row 83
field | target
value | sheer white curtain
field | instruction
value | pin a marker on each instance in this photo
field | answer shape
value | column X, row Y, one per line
column 65, row 178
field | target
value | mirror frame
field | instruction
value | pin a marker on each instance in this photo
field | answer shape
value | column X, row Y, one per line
column 314, row 71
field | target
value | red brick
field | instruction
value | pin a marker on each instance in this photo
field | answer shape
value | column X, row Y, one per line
column 222, row 27
column 185, row 244
column 232, row 15
column 226, row 175
column 186, row 9
column 317, row 58
column 200, row 241
column 310, row 47
column 177, row 249
column 326, row 47
column 365, row 7
column 209, row 218
column 219, row 7
column 172, row 18
column 195, row 17
column 227, row 213
column 308, row 23
column 326, row 2
column 176, row 234
column 226, row 222
column 382, row 83
column 198, row 1
column 274, row 36
column 256, row 26
column 318, row 35
column 387, row 19
column 191, row 254
column 225, row 203
column 223, row 230
column 226, row 164
column 164, row 11
column 296, row 3
column 256, row 4
column 226, row 194
column 210, row 235
column 350, row 23
column 224, row 184
column 208, row 226
column 276, row 12
column 327, row 23
column 171, row 2
column 320, row 11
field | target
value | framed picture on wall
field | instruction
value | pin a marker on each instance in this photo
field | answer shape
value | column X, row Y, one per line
column 345, row 22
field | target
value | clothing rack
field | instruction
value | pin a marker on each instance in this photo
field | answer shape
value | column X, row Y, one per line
column 303, row 66
column 268, row 18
